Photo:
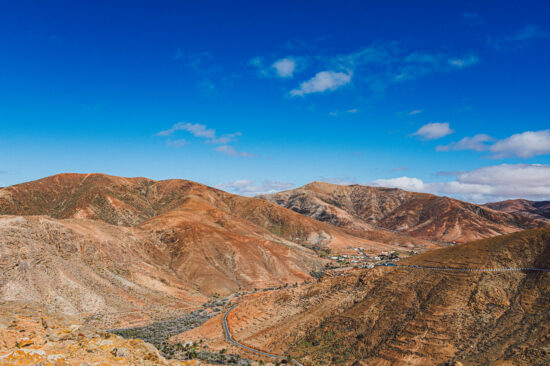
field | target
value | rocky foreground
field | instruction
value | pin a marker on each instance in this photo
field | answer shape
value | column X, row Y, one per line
column 30, row 336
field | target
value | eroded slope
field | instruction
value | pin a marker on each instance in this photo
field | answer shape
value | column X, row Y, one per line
column 418, row 215
column 388, row 316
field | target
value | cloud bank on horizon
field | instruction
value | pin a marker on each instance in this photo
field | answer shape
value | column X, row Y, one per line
column 487, row 184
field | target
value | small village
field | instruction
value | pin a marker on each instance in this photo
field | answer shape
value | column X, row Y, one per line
column 361, row 259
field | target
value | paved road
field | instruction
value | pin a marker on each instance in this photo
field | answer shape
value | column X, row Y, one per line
column 230, row 339
column 469, row 269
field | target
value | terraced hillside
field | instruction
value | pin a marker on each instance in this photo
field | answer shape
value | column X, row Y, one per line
column 388, row 316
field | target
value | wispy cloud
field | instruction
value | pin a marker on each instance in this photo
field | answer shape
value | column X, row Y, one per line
column 433, row 131
column 323, row 81
column 204, row 66
column 492, row 183
column 518, row 38
column 349, row 111
column 207, row 87
column 413, row 112
column 466, row 61
column 231, row 151
column 176, row 143
column 202, row 62
column 196, row 129
column 224, row 139
column 250, row 188
column 208, row 135
column 476, row 143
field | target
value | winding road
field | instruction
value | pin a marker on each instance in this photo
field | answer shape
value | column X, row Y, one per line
column 468, row 269
column 230, row 339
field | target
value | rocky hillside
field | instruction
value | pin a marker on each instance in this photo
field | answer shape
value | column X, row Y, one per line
column 388, row 316
column 120, row 275
column 170, row 236
column 533, row 209
column 419, row 215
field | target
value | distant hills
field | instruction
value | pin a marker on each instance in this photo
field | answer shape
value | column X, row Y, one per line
column 419, row 215
column 533, row 209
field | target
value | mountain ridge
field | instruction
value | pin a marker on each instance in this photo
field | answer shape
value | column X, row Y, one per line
column 420, row 215
column 533, row 209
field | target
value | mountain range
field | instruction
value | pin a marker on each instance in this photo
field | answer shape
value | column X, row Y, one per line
column 121, row 252
column 534, row 209
column 420, row 215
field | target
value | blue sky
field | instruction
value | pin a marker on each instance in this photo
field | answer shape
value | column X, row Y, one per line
column 252, row 97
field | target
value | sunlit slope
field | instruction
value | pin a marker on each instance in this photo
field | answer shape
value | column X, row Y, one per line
column 419, row 215
column 388, row 316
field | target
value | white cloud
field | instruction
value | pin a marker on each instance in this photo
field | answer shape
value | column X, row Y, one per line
column 250, row 188
column 321, row 82
column 432, row 131
column 196, row 129
column 285, row 67
column 416, row 111
column 231, row 151
column 523, row 145
column 406, row 183
column 477, row 143
column 376, row 66
column 492, row 183
column 225, row 138
column 201, row 131
column 207, row 134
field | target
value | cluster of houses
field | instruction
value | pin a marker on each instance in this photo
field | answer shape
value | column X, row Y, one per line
column 361, row 257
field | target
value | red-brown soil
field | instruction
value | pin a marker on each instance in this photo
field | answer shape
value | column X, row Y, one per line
column 419, row 215
column 533, row 209
column 388, row 316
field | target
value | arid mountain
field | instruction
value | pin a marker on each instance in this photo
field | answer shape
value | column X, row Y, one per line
column 101, row 244
column 420, row 215
column 136, row 201
column 394, row 316
column 209, row 240
column 533, row 209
